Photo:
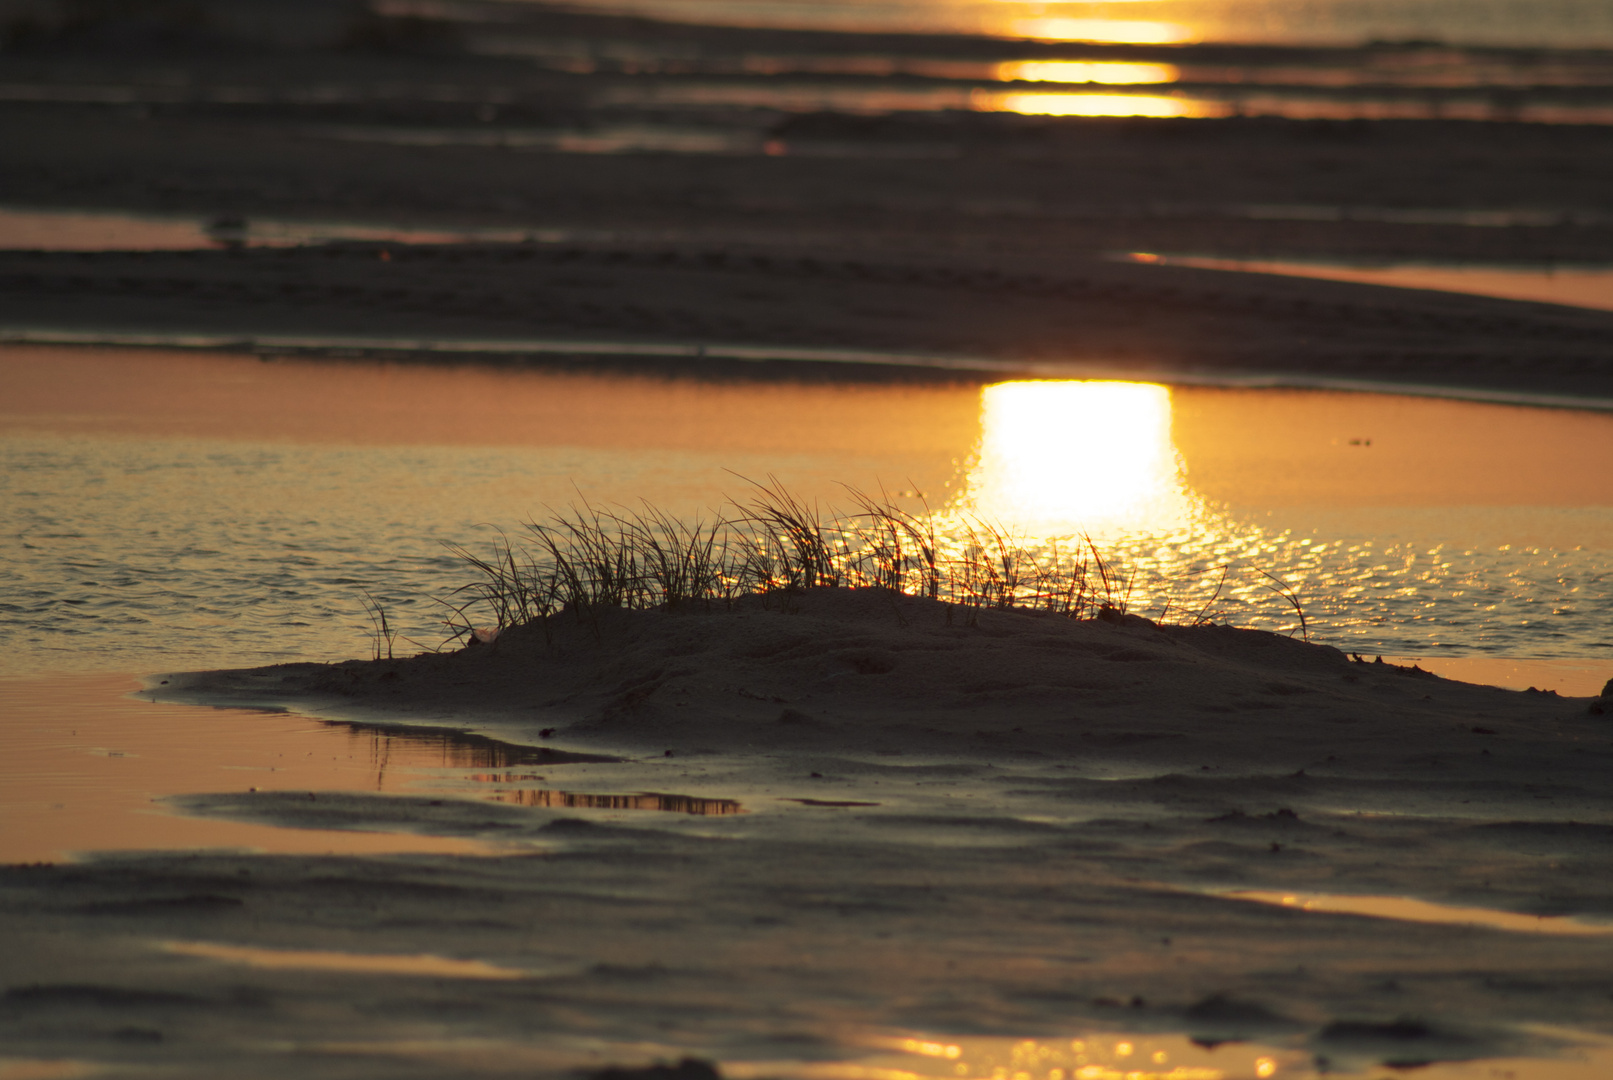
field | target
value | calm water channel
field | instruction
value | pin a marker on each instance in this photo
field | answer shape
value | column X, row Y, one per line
column 1349, row 22
column 178, row 510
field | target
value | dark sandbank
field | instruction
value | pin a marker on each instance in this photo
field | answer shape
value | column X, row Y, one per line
column 953, row 234
column 871, row 670
column 961, row 315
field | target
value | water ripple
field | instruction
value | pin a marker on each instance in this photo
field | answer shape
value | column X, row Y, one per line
column 162, row 554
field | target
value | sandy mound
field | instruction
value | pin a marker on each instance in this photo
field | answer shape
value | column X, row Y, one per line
column 867, row 671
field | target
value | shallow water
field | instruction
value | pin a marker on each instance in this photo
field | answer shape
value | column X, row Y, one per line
column 1503, row 60
column 1099, row 1054
column 422, row 966
column 36, row 229
column 1161, row 77
column 1144, row 1055
column 1410, row 910
column 85, row 765
column 1240, row 94
column 1570, row 285
column 27, row 228
column 183, row 510
column 89, row 763
column 1507, row 22
column 649, row 95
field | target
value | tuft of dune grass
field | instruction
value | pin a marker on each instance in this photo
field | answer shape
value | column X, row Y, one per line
column 587, row 559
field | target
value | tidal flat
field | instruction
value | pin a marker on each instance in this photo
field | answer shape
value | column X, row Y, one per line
column 292, row 296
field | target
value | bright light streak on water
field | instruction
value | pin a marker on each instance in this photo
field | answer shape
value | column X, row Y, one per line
column 1118, row 31
column 1558, row 1054
column 1413, row 910
column 1108, row 73
column 1087, row 104
column 1058, row 458
column 1089, row 1056
column 1427, row 537
column 116, row 230
column 1573, row 285
column 1567, row 23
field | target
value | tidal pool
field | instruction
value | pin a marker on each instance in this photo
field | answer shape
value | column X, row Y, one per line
column 30, row 228
column 1572, row 285
column 90, row 767
column 170, row 510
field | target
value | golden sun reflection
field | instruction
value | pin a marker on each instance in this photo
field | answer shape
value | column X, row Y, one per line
column 1120, row 31
column 1409, row 909
column 434, row 967
column 573, row 800
column 1081, row 104
column 1064, row 457
column 1105, row 72
column 1097, row 1056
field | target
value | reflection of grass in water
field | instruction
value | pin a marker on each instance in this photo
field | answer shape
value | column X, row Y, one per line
column 775, row 543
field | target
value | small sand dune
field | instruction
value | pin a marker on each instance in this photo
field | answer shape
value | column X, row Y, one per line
column 870, row 671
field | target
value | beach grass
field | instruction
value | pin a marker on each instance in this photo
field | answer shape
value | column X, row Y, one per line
column 773, row 543
column 383, row 635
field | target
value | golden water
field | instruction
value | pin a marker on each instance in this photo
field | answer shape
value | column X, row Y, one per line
column 171, row 510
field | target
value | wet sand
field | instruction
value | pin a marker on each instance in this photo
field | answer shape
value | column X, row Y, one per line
column 1024, row 826
column 722, row 309
column 962, row 236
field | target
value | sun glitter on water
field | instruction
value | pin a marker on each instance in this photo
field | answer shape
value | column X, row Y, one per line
column 1111, row 1056
column 1075, row 72
column 1089, row 104
column 1118, row 31
column 1061, row 458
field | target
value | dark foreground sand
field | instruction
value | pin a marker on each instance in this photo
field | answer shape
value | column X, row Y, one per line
column 1017, row 827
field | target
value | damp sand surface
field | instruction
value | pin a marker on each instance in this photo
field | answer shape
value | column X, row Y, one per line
column 954, row 829
column 660, row 184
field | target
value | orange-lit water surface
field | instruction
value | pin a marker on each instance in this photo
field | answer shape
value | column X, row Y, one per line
column 1113, row 1054
column 1141, row 1055
column 1542, row 22
column 189, row 503
column 1234, row 98
column 174, row 510
column 421, row 966
column 33, row 228
column 1170, row 68
column 1085, row 1055
column 87, row 764
column 1410, row 60
column 1408, row 909
column 1427, row 515
column 1574, row 286
column 1414, row 59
